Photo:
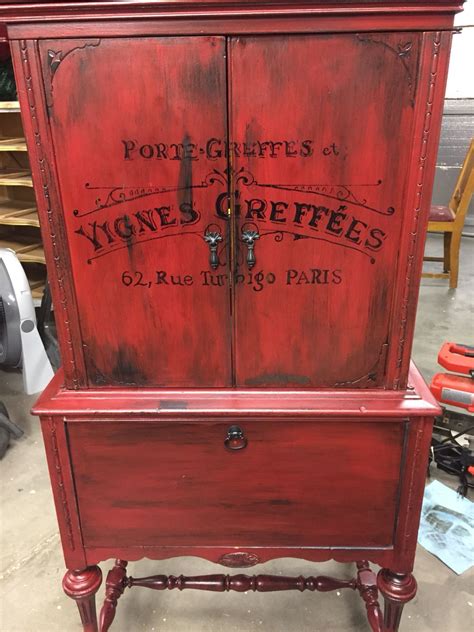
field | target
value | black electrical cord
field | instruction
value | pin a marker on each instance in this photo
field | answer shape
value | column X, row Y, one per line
column 453, row 438
column 454, row 459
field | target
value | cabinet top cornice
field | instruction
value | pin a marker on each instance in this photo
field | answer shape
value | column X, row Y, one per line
column 44, row 10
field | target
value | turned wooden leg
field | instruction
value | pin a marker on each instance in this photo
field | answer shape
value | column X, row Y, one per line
column 397, row 589
column 82, row 586
column 367, row 587
column 114, row 587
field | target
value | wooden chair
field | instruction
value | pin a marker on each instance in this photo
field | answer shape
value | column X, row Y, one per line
column 449, row 220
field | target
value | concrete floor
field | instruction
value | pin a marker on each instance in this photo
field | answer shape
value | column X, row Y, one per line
column 31, row 565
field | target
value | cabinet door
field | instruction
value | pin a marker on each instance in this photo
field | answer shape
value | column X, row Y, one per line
column 136, row 125
column 320, row 128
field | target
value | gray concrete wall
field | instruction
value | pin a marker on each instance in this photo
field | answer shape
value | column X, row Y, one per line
column 458, row 120
column 456, row 133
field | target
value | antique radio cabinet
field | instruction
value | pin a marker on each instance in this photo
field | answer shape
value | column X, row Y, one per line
column 233, row 198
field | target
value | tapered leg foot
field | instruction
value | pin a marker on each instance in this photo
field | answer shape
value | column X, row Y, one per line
column 397, row 589
column 82, row 586
column 114, row 587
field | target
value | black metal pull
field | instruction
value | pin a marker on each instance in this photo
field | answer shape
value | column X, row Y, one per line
column 213, row 238
column 235, row 439
column 249, row 237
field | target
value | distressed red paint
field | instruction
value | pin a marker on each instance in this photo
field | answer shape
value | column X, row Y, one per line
column 233, row 199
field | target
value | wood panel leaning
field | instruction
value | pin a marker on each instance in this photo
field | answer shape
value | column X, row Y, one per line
column 235, row 267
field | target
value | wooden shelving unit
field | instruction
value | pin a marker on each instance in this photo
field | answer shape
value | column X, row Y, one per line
column 13, row 144
column 19, row 223
column 9, row 106
column 14, row 213
column 26, row 252
column 16, row 178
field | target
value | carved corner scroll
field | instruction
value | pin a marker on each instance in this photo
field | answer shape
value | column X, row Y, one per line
column 55, row 58
column 402, row 51
column 370, row 378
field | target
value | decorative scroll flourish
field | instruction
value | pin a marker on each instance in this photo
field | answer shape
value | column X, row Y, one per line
column 60, row 484
column 365, row 583
column 109, row 196
column 115, row 195
column 402, row 51
column 279, row 235
column 203, row 235
column 45, row 179
column 371, row 376
column 56, row 57
column 338, row 192
column 120, row 194
column 418, row 203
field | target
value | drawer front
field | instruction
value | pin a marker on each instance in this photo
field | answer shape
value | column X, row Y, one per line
column 301, row 484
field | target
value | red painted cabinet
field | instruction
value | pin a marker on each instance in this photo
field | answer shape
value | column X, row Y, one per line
column 235, row 207
column 233, row 199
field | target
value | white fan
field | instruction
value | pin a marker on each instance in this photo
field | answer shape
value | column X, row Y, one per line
column 20, row 342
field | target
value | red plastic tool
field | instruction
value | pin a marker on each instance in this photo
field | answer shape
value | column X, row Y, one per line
column 457, row 358
column 457, row 390
column 454, row 389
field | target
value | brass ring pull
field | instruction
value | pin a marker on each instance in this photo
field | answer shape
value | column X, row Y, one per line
column 235, row 439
